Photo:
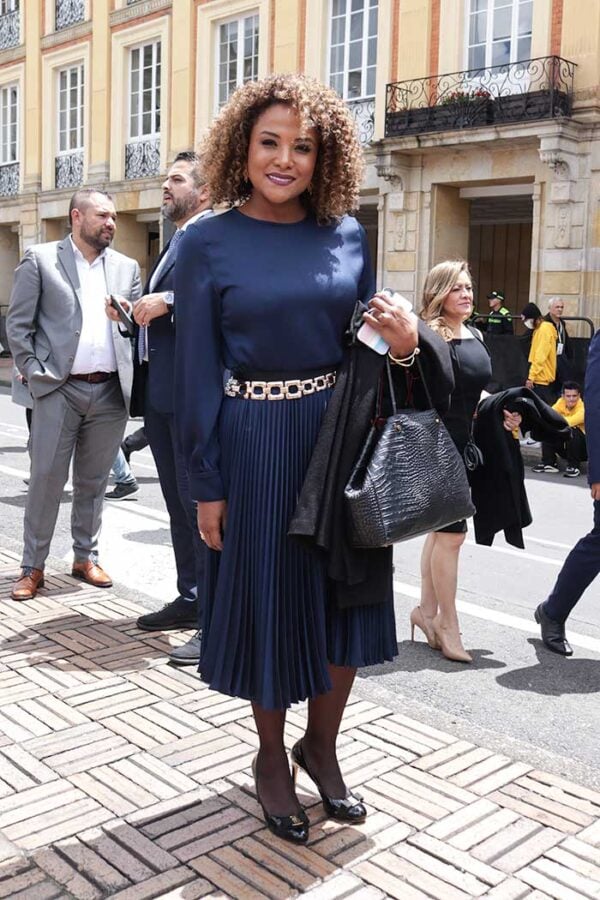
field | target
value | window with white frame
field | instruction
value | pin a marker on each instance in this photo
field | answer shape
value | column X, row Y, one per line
column 499, row 32
column 9, row 124
column 237, row 54
column 7, row 6
column 144, row 92
column 353, row 48
column 70, row 109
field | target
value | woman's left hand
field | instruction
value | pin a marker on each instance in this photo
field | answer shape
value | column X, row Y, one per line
column 512, row 420
column 396, row 326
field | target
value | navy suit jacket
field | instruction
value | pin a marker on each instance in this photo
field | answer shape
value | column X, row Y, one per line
column 591, row 399
column 157, row 377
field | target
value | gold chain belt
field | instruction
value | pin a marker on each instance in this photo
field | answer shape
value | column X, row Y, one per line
column 279, row 390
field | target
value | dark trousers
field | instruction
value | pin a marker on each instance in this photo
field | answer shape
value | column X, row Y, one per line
column 188, row 548
column 573, row 449
column 135, row 441
column 579, row 570
column 546, row 393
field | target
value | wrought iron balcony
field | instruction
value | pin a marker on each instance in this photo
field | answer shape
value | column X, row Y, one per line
column 364, row 116
column 9, row 180
column 68, row 168
column 142, row 158
column 527, row 90
column 10, row 29
column 69, row 12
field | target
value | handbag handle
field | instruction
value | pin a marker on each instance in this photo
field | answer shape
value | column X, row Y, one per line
column 392, row 389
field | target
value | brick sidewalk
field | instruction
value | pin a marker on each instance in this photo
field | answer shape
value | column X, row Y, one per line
column 123, row 777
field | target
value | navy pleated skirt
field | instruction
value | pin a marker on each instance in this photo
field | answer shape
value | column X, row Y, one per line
column 270, row 628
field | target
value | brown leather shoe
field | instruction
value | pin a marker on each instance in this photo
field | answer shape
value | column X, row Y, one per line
column 26, row 586
column 92, row 573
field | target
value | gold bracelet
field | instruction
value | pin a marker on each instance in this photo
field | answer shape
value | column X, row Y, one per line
column 407, row 361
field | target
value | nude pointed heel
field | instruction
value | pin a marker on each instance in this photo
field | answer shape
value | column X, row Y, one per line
column 425, row 625
column 450, row 644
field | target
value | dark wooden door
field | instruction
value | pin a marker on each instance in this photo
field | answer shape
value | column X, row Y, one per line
column 500, row 249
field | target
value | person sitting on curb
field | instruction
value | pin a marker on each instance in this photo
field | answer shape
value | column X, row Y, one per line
column 573, row 448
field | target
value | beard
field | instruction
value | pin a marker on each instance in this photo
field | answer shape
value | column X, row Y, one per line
column 183, row 208
column 96, row 238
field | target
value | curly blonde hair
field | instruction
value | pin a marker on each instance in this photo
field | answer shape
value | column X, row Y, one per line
column 438, row 284
column 339, row 167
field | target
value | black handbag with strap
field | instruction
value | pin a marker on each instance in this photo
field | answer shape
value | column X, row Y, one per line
column 409, row 478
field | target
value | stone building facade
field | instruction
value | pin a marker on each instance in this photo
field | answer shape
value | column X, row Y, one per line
column 498, row 161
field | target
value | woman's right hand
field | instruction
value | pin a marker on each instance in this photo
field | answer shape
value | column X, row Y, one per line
column 212, row 517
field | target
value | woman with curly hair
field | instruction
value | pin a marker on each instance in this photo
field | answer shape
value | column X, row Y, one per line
column 446, row 305
column 266, row 291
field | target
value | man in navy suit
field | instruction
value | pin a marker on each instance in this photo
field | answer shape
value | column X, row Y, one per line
column 185, row 200
column 582, row 564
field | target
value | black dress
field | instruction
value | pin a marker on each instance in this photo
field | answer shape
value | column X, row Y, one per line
column 472, row 371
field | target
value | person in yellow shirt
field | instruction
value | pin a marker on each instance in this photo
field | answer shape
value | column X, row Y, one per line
column 573, row 448
column 542, row 355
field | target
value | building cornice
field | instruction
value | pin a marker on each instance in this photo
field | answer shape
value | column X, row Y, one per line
column 12, row 55
column 66, row 35
column 138, row 10
column 519, row 134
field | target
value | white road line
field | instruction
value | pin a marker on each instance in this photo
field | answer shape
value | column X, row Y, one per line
column 133, row 509
column 500, row 618
column 15, row 473
column 546, row 543
column 522, row 554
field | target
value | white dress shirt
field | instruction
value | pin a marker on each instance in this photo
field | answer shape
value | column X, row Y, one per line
column 95, row 351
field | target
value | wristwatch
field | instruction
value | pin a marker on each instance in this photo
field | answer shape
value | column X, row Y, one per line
column 169, row 298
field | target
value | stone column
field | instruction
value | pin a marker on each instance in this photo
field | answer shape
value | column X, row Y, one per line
column 100, row 81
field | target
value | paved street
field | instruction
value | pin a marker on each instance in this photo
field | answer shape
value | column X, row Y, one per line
column 125, row 777
column 516, row 697
column 122, row 777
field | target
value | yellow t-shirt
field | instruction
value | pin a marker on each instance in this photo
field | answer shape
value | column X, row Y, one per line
column 575, row 417
column 542, row 355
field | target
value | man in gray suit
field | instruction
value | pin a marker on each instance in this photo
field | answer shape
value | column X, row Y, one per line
column 79, row 370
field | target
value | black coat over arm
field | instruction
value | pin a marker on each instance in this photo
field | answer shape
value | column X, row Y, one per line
column 360, row 576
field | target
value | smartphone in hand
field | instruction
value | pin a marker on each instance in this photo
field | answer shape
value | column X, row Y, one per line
column 371, row 338
column 124, row 316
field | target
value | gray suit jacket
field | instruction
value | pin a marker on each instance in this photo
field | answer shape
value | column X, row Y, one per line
column 44, row 318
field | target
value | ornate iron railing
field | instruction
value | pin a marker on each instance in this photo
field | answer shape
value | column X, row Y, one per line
column 9, row 179
column 364, row 116
column 142, row 158
column 531, row 89
column 68, row 169
column 10, row 29
column 69, row 12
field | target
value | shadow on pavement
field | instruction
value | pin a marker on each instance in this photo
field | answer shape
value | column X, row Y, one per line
column 159, row 536
column 21, row 500
column 554, row 675
column 417, row 656
column 19, row 449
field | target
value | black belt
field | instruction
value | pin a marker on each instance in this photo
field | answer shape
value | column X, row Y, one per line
column 93, row 377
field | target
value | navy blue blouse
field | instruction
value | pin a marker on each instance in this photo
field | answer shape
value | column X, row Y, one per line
column 258, row 296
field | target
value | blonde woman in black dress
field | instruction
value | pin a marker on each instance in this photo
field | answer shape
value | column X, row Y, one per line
column 446, row 305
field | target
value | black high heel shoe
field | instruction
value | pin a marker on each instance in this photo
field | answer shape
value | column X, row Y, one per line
column 348, row 809
column 290, row 828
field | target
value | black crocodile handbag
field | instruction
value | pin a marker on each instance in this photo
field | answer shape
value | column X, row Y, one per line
column 409, row 478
